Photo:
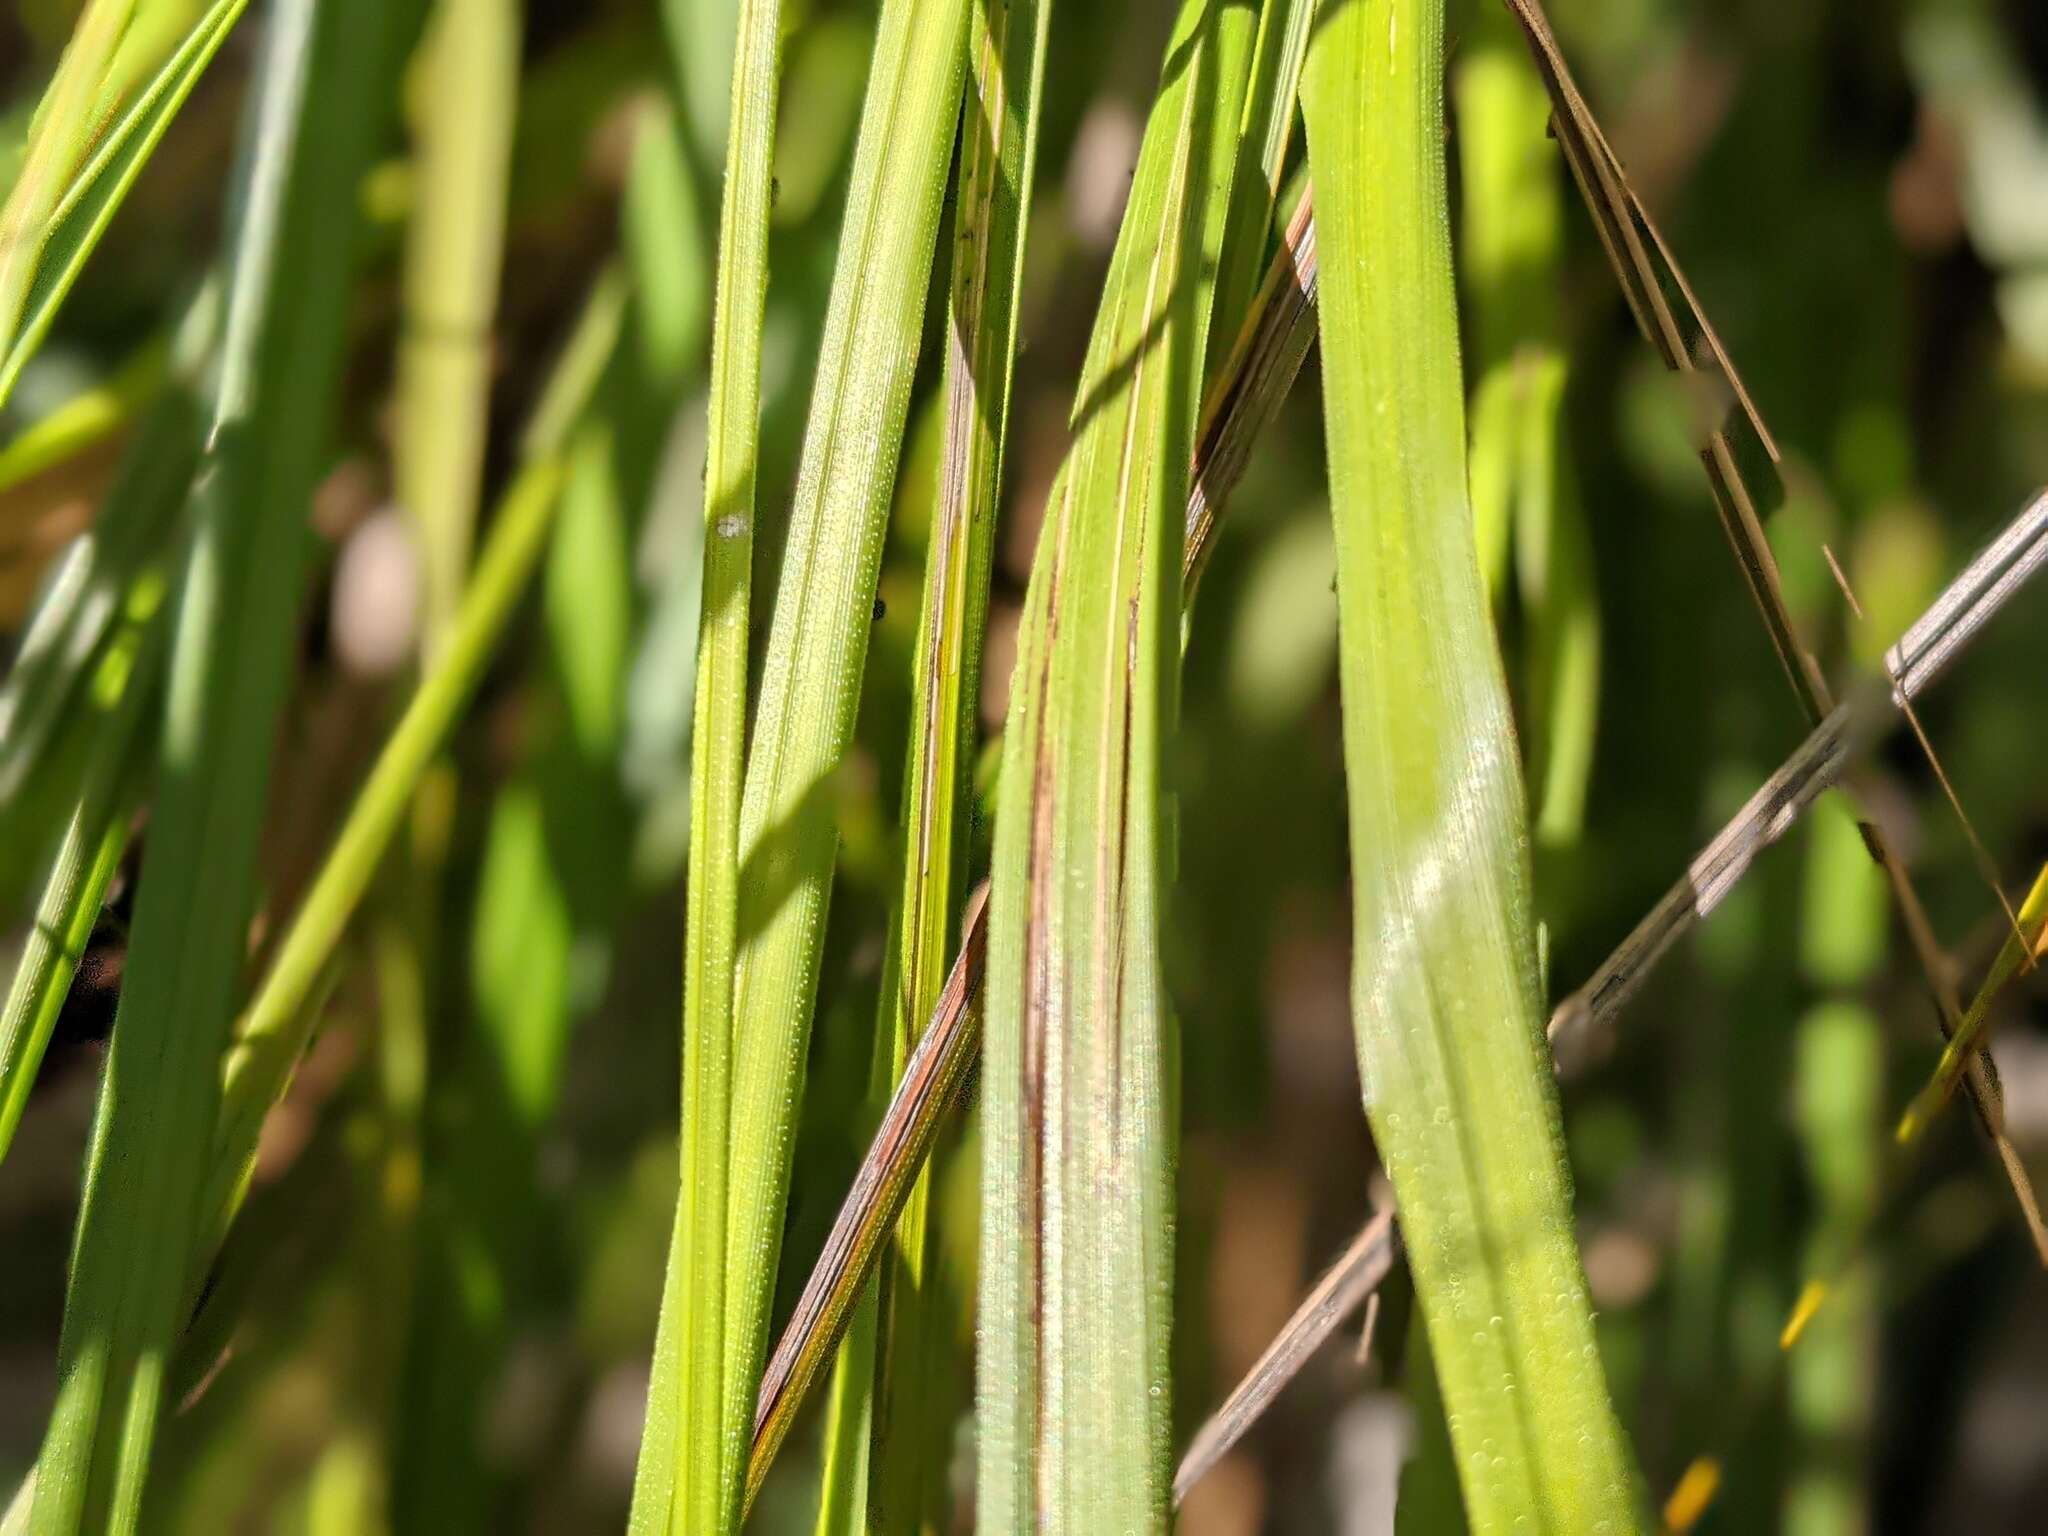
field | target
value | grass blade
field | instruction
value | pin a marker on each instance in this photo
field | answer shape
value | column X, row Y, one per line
column 998, row 154
column 311, row 130
column 87, row 419
column 1248, row 391
column 1076, row 1187
column 94, row 841
column 1244, row 400
column 128, row 544
column 1445, row 988
column 1524, row 491
column 682, row 1480
column 817, row 647
column 69, row 190
column 1950, row 623
column 280, row 1018
column 1264, row 132
column 938, row 1070
column 468, row 67
column 2020, row 949
column 946, row 1053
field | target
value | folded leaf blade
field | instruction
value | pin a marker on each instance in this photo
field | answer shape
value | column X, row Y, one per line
column 1076, row 1174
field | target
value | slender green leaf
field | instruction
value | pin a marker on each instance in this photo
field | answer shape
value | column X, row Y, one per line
column 420, row 1369
column 899, row 1378
column 128, row 545
column 684, row 1481
column 86, row 420
column 467, row 79
column 843, row 1490
column 2023, row 948
column 1445, row 990
column 94, row 841
column 61, row 139
column 1264, row 132
column 817, row 647
column 1248, row 391
column 1076, row 1268
column 1838, row 1098
column 945, row 1054
column 279, row 1019
column 310, row 129
column 69, row 189
column 1242, row 402
column 1524, row 491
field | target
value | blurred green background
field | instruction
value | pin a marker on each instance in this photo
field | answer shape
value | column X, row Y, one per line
column 1859, row 192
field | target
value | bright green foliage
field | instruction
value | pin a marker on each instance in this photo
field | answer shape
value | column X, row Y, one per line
column 92, row 137
column 311, row 126
column 809, row 687
column 110, row 576
column 683, row 1482
column 1078, row 1068
column 903, row 1377
column 86, row 859
column 1445, row 992
column 1265, row 129
column 817, row 644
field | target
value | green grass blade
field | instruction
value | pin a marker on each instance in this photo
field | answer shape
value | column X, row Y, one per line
column 93, row 843
column 1244, row 400
column 59, row 142
column 911, row 1414
column 280, row 1017
column 1265, row 130
column 682, row 1480
column 87, row 419
column 310, row 128
column 279, row 1020
column 69, row 189
column 849, row 1426
column 468, row 78
column 938, row 1069
column 1252, row 385
column 1524, row 491
column 2019, row 949
column 1445, row 990
column 817, row 648
column 1076, row 1266
column 129, row 542
column 946, row 1053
